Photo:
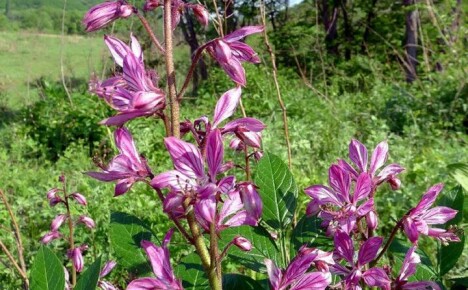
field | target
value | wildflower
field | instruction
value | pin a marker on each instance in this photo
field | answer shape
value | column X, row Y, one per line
column 347, row 208
column 357, row 273
column 418, row 219
column 50, row 236
column 102, row 14
column 230, row 52
column 76, row 256
column 358, row 154
column 127, row 167
column 295, row 276
column 162, row 269
column 79, row 198
column 242, row 243
column 87, row 221
column 134, row 93
column 57, row 222
column 408, row 268
column 104, row 285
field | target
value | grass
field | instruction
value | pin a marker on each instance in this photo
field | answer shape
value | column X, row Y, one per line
column 25, row 57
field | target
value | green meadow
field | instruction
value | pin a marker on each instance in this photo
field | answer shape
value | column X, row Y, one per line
column 25, row 57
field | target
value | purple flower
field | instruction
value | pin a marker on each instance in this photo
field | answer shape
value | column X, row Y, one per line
column 87, row 221
column 50, row 236
column 79, row 198
column 104, row 285
column 230, row 52
column 358, row 154
column 160, row 262
column 418, row 219
column 189, row 173
column 102, row 14
column 57, row 222
column 134, row 93
column 347, row 208
column 242, row 243
column 76, row 256
column 252, row 201
column 232, row 213
column 295, row 276
column 408, row 268
column 127, row 167
column 357, row 273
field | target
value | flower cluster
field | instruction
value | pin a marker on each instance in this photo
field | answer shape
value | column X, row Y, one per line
column 134, row 92
column 336, row 206
column 351, row 219
column 60, row 196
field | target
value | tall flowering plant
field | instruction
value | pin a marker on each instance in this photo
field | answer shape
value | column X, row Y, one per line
column 254, row 223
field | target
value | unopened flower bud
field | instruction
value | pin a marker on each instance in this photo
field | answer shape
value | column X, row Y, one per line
column 258, row 155
column 54, row 201
column 76, row 257
column 62, row 178
column 87, row 221
column 252, row 201
column 102, row 14
column 372, row 220
column 236, row 144
column 227, row 166
column 395, row 183
column 52, row 193
column 151, row 5
column 57, row 222
column 50, row 236
column 201, row 14
column 242, row 243
column 79, row 198
column 107, row 268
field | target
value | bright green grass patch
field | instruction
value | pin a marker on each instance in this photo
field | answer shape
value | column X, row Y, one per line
column 25, row 57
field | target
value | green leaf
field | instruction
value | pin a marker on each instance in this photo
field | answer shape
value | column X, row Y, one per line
column 448, row 256
column 233, row 281
column 263, row 247
column 459, row 171
column 191, row 272
column 308, row 231
column 277, row 190
column 424, row 272
column 47, row 272
column 126, row 233
column 89, row 278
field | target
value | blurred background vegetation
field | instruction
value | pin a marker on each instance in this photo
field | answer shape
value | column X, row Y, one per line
column 365, row 69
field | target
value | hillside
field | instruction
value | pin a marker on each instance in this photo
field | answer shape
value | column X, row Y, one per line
column 14, row 5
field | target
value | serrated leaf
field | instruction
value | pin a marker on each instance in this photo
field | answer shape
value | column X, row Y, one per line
column 47, row 272
column 263, row 247
column 234, row 281
column 459, row 171
column 126, row 233
column 424, row 271
column 308, row 231
column 89, row 278
column 190, row 271
column 278, row 191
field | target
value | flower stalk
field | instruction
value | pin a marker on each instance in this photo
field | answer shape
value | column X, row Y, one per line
column 71, row 240
column 170, row 71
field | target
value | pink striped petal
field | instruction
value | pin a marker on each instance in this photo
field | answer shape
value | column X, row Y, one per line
column 358, row 154
column 379, row 157
column 226, row 105
column 214, row 153
column 368, row 250
column 186, row 157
